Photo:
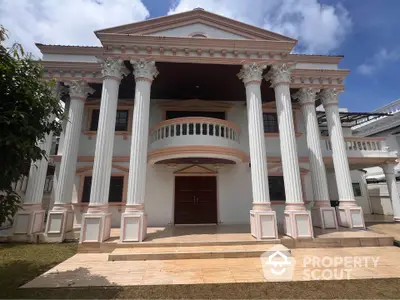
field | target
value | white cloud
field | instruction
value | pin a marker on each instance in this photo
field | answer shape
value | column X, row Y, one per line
column 68, row 22
column 319, row 28
column 378, row 61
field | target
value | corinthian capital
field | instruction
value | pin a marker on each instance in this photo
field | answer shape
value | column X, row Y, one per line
column 329, row 97
column 306, row 95
column 79, row 89
column 279, row 74
column 114, row 68
column 251, row 73
column 144, row 69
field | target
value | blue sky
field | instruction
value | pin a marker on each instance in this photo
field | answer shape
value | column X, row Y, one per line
column 366, row 32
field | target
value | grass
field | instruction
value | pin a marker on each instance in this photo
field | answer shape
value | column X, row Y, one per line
column 20, row 263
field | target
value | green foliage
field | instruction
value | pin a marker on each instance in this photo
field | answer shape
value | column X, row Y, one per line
column 26, row 104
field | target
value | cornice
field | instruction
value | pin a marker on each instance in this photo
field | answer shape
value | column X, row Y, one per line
column 71, row 50
column 316, row 59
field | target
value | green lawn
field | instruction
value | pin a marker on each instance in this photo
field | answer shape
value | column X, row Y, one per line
column 20, row 263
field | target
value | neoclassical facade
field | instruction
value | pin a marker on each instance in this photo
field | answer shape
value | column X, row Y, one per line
column 195, row 118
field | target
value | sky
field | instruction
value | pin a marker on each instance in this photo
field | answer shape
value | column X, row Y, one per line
column 366, row 32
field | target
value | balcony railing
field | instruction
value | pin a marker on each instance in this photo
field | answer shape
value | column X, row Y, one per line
column 360, row 144
column 195, row 126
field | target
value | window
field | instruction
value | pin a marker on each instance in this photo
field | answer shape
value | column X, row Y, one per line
column 270, row 122
column 116, row 189
column 357, row 189
column 121, row 122
column 276, row 188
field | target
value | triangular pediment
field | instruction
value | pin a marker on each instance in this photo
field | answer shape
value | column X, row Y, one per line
column 195, row 23
column 194, row 170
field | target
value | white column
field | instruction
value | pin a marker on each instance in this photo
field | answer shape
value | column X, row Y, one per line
column 323, row 215
column 96, row 223
column 297, row 218
column 30, row 218
column 134, row 219
column 60, row 218
column 392, row 188
column 262, row 217
column 349, row 214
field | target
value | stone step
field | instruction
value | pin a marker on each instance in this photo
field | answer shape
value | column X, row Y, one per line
column 193, row 252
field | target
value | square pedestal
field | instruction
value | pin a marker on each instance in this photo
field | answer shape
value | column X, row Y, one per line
column 263, row 224
column 96, row 227
column 26, row 223
column 297, row 224
column 59, row 222
column 133, row 227
column 350, row 217
column 324, row 217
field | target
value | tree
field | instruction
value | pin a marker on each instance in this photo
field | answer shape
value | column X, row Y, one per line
column 26, row 104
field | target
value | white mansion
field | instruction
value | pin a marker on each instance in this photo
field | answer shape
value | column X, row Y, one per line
column 195, row 118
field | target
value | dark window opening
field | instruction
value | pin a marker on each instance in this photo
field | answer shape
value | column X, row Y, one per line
column 270, row 122
column 121, row 122
column 357, row 189
column 116, row 189
column 184, row 114
column 276, row 188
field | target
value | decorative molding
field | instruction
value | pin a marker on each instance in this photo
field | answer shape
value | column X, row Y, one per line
column 251, row 73
column 329, row 97
column 195, row 170
column 144, row 69
column 306, row 95
column 279, row 74
column 79, row 89
column 113, row 68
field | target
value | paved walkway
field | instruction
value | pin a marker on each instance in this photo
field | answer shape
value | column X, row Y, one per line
column 311, row 264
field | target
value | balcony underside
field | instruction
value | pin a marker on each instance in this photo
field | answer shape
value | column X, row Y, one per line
column 181, row 154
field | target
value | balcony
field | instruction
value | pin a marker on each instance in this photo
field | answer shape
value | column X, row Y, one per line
column 195, row 137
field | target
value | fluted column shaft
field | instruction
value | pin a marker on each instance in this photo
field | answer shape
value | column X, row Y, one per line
column 329, row 99
column 37, row 173
column 251, row 75
column 112, row 74
column 393, row 190
column 78, row 93
column 280, row 79
column 307, row 97
column 144, row 72
column 64, row 126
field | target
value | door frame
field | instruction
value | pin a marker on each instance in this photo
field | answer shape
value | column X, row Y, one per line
column 177, row 174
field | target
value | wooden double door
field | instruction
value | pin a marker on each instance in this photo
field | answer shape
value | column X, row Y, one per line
column 195, row 199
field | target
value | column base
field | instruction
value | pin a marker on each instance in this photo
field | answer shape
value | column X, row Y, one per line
column 324, row 217
column 350, row 216
column 297, row 221
column 60, row 220
column 263, row 222
column 28, row 221
column 96, row 225
column 133, row 224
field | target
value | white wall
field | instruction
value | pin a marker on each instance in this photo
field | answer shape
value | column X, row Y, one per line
column 185, row 31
